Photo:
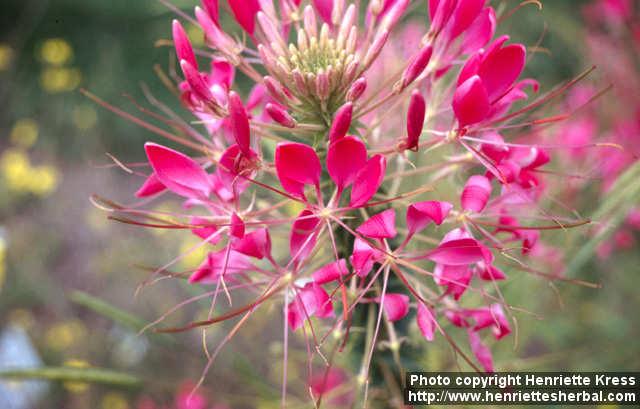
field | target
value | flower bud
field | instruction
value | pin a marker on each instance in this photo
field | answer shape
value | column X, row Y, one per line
column 357, row 89
column 183, row 45
column 280, row 115
column 274, row 88
column 341, row 122
column 417, row 66
column 195, row 81
column 239, row 123
column 415, row 120
column 323, row 87
column 213, row 35
column 310, row 23
column 376, row 47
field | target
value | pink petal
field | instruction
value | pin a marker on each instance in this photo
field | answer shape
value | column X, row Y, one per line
column 256, row 244
column 380, row 226
column 440, row 11
column 195, row 81
column 464, row 15
column 457, row 318
column 330, row 272
column 496, row 150
column 257, row 97
column 491, row 273
column 206, row 231
column 362, row 258
column 393, row 13
column 189, row 398
column 183, row 45
column 212, row 32
column 150, row 187
column 457, row 252
column 501, row 69
column 310, row 300
column 480, row 32
column 455, row 278
column 493, row 317
column 426, row 321
column 415, row 119
column 245, row 12
column 214, row 266
column 345, row 158
column 368, row 180
column 396, row 306
column 233, row 163
column 236, row 227
column 222, row 72
column 239, row 122
column 324, row 382
column 297, row 164
column 325, row 9
column 420, row 214
column 476, row 193
column 471, row 102
column 433, row 7
column 302, row 240
column 481, row 351
column 212, row 9
column 341, row 122
column 456, row 234
column 178, row 172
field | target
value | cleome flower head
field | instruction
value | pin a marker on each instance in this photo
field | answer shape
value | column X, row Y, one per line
column 347, row 182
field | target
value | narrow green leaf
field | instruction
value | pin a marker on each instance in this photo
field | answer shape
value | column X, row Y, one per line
column 107, row 310
column 624, row 195
column 115, row 314
column 69, row 374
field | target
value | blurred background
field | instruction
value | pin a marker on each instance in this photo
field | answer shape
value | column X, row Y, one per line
column 64, row 267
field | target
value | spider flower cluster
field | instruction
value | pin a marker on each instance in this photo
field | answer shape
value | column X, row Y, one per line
column 356, row 118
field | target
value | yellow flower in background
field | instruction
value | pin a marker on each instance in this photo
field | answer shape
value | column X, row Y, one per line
column 65, row 334
column 56, row 51
column 24, row 133
column 43, row 180
column 20, row 176
column 76, row 387
column 84, row 117
column 6, row 56
column 60, row 79
column 114, row 400
column 15, row 167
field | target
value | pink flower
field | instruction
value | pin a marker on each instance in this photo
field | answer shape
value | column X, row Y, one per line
column 426, row 321
column 396, row 306
column 486, row 85
column 310, row 300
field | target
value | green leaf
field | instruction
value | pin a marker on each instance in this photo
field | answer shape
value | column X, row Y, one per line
column 107, row 310
column 612, row 213
column 69, row 374
column 115, row 314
